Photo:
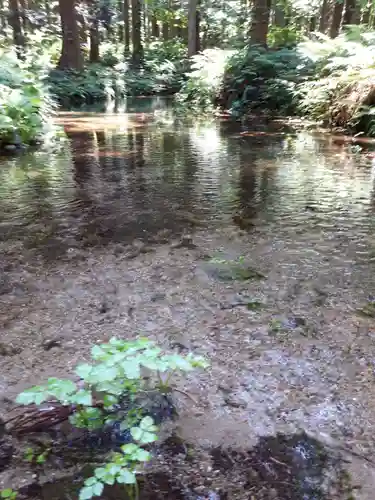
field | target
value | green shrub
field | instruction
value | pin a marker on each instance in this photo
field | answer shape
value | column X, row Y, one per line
column 118, row 374
column 161, row 72
column 202, row 86
column 25, row 105
column 261, row 80
column 342, row 92
column 288, row 36
column 95, row 83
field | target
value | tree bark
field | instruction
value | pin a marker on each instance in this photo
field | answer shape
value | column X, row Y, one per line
column 71, row 55
column 260, row 21
column 121, row 23
column 126, row 27
column 137, row 55
column 324, row 17
column 16, row 23
column 350, row 13
column 3, row 18
column 165, row 31
column 334, row 29
column 94, row 41
column 193, row 28
column 155, row 32
column 279, row 17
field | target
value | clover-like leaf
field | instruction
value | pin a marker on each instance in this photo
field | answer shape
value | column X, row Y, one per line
column 35, row 395
column 129, row 448
column 84, row 370
column 86, row 493
column 131, row 369
column 126, row 477
column 82, row 397
column 147, row 424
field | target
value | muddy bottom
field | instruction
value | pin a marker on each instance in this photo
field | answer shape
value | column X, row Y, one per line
column 279, row 467
column 254, row 250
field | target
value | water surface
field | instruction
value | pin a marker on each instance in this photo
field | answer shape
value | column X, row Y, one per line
column 125, row 176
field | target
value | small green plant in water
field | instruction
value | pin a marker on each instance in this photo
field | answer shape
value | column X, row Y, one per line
column 34, row 456
column 118, row 374
column 8, row 494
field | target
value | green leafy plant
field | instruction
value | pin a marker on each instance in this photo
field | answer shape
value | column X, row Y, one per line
column 35, row 457
column 8, row 494
column 118, row 373
column 25, row 104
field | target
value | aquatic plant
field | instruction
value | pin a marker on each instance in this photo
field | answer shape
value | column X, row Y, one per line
column 8, row 494
column 119, row 375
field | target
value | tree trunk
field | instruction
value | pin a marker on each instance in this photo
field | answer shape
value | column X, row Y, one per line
column 71, row 55
column 334, row 29
column 121, row 23
column 193, row 28
column 94, row 41
column 259, row 23
column 16, row 24
column 324, row 12
column 3, row 19
column 24, row 8
column 279, row 17
column 350, row 12
column 126, row 27
column 165, row 31
column 155, row 32
column 137, row 55
column 312, row 24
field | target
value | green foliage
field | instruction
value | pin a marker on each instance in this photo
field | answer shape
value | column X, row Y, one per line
column 261, row 80
column 122, row 466
column 288, row 36
column 35, row 456
column 95, row 83
column 162, row 72
column 25, row 106
column 8, row 494
column 341, row 92
column 204, row 80
column 117, row 372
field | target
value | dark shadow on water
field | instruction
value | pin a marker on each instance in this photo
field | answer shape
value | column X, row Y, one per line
column 281, row 467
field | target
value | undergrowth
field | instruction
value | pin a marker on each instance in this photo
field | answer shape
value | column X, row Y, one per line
column 25, row 104
column 162, row 72
column 120, row 372
column 323, row 79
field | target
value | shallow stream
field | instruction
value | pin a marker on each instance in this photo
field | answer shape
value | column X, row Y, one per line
column 253, row 245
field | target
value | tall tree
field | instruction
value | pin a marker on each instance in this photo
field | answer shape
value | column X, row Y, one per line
column 323, row 20
column 126, row 27
column 193, row 28
column 338, row 8
column 71, row 55
column 15, row 21
column 94, row 40
column 259, row 22
column 137, row 55
column 350, row 13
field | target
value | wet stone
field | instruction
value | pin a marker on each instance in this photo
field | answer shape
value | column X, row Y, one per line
column 49, row 344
